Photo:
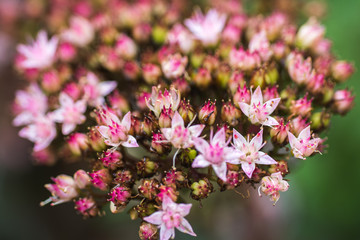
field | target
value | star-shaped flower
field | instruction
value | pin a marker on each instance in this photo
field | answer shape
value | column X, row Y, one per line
column 303, row 146
column 257, row 111
column 171, row 216
column 272, row 185
column 250, row 152
column 216, row 153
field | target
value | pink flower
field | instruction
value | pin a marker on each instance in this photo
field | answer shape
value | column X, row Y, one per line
column 257, row 111
column 206, row 28
column 271, row 185
column 259, row 43
column 171, row 216
column 179, row 135
column 182, row 37
column 216, row 153
column 95, row 90
column 299, row 69
column 70, row 113
column 39, row 54
column 80, row 33
column 309, row 34
column 303, row 146
column 173, row 66
column 244, row 60
column 101, row 179
column 42, row 131
column 29, row 105
column 63, row 190
column 343, row 101
column 250, row 152
column 125, row 47
column 160, row 100
column 115, row 132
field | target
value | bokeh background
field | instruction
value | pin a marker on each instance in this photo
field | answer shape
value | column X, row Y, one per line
column 322, row 202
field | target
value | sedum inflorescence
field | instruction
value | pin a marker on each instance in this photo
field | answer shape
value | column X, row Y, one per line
column 160, row 102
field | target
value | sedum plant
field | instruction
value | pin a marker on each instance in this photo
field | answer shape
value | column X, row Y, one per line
column 164, row 103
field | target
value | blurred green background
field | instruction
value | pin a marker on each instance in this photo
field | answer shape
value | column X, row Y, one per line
column 322, row 202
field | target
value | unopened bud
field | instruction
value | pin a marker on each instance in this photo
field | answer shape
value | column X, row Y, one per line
column 51, row 82
column 207, row 113
column 149, row 188
column 165, row 118
column 120, row 196
column 151, row 73
column 112, row 159
column 230, row 114
column 202, row 78
column 320, row 120
column 242, row 95
column 201, row 189
column 237, row 79
column 223, row 75
column 96, row 141
column 101, row 179
column 81, row 178
column 281, row 166
column 77, row 143
column 342, row 70
column 148, row 231
column 159, row 144
column 186, row 111
column 124, row 178
column 279, row 133
column 146, row 167
column 343, row 101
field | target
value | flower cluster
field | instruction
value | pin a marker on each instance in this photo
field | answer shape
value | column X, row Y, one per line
column 161, row 103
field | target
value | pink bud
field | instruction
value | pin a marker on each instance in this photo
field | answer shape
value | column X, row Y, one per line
column 202, row 78
column 125, row 47
column 309, row 34
column 242, row 95
column 231, row 34
column 131, row 70
column 118, row 102
column 174, row 66
column 160, row 144
column 112, row 159
column 207, row 113
column 301, row 107
column 342, row 70
column 343, row 101
column 297, row 125
column 86, row 207
column 270, row 93
column 151, row 73
column 51, row 81
column 119, row 196
column 44, row 157
column 101, row 179
column 237, row 79
column 81, row 178
column 72, row 90
column 66, row 52
column 77, row 143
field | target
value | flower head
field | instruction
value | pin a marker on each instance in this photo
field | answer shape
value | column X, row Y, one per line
column 303, row 146
column 42, row 132
column 159, row 100
column 70, row 113
column 206, row 28
column 95, row 90
column 29, row 105
column 272, row 185
column 116, row 132
column 250, row 154
column 171, row 216
column 179, row 135
column 80, row 33
column 257, row 111
column 215, row 153
column 40, row 54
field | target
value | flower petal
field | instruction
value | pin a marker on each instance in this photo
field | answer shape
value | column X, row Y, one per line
column 166, row 233
column 200, row 162
column 106, row 87
column 257, row 140
column 68, row 128
column 292, row 140
column 270, row 121
column 184, row 209
column 103, row 130
column 220, row 170
column 177, row 120
column 257, row 96
column 196, row 130
column 126, row 121
column 271, row 105
column 201, row 145
column 130, row 142
column 238, row 139
column 219, row 138
column 185, row 227
column 167, row 133
column 305, row 133
column 265, row 159
column 248, row 168
column 155, row 218
column 245, row 108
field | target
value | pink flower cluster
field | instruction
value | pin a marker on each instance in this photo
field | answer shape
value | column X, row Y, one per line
column 164, row 105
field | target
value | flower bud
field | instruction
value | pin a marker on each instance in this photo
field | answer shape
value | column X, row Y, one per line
column 342, row 70
column 51, row 82
column 66, row 51
column 143, row 209
column 124, row 178
column 86, row 207
column 270, row 93
column 149, row 188
column 186, row 111
column 172, row 177
column 258, row 78
column 230, row 114
column 281, row 166
column 279, row 133
column 44, row 157
column 131, row 70
column 279, row 49
column 173, row 66
column 322, row 65
column 159, row 34
column 207, row 113
column 148, row 231
column 146, row 167
column 112, row 159
column 244, row 60
column 242, row 95
column 197, row 59
column 309, row 34
column 223, row 75
column 301, row 107
column 125, row 47
column 320, row 120
column 181, row 85
column 108, row 35
column 287, row 96
column 119, row 196
column 151, row 73
column 81, row 178
column 316, row 83
column 141, row 32
column 202, row 78
column 101, row 179
column 141, row 100
column 201, row 189
column 159, row 144
column 236, row 80
column 167, row 191
column 165, row 118
column 72, row 90
column 233, row 179
column 96, row 141
column 297, row 125
column 211, row 63
column 187, row 157
column 148, row 125
column 343, row 101
column 118, row 102
column 77, row 143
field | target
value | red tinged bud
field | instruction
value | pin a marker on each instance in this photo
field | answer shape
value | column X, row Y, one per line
column 207, row 113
